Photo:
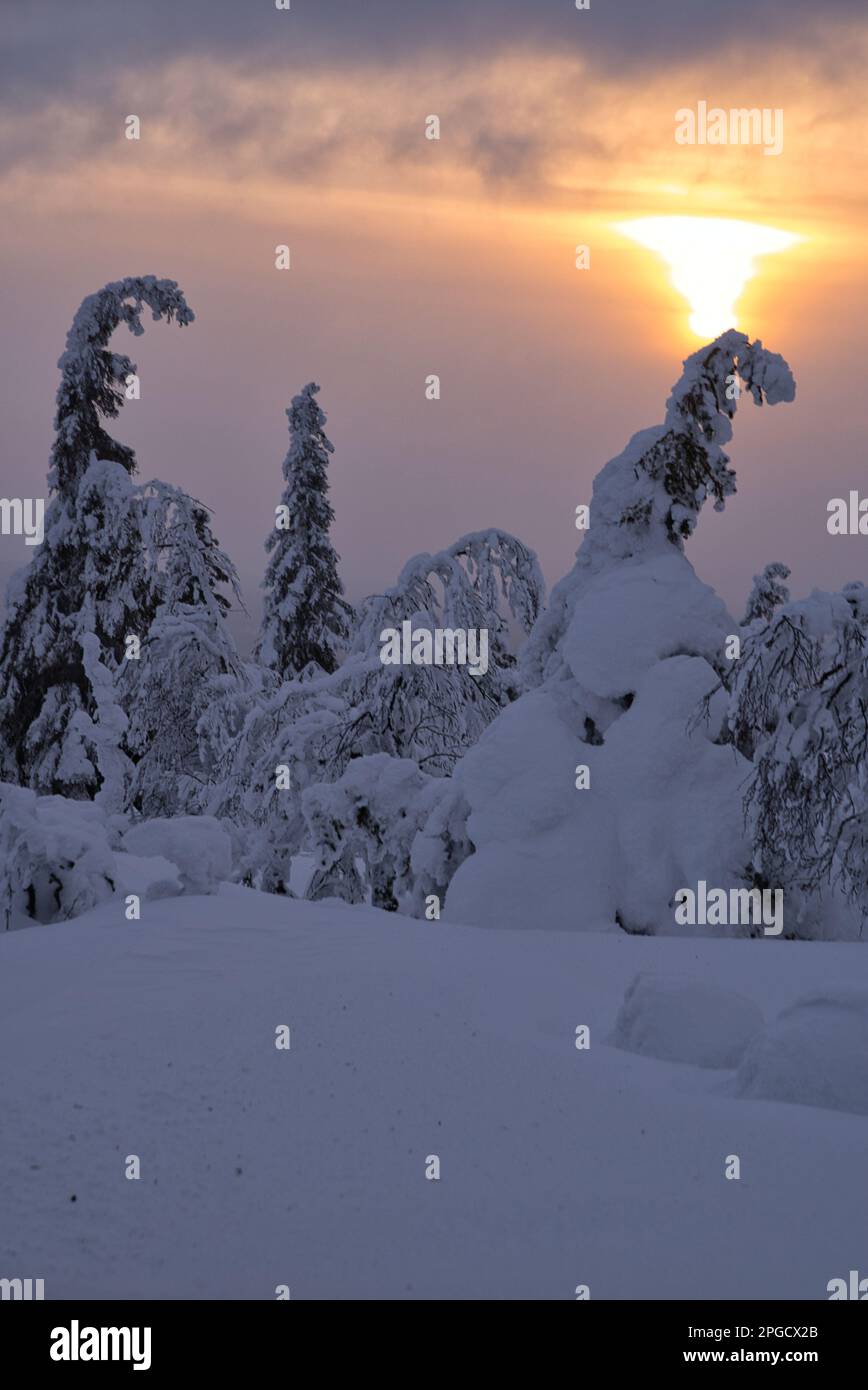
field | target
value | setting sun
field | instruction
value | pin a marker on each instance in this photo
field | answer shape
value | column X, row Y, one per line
column 710, row 261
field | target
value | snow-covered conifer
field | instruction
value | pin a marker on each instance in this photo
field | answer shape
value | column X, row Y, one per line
column 306, row 620
column 768, row 593
column 92, row 550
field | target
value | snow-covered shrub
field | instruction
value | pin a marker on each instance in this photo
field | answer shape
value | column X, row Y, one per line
column 198, row 845
column 55, row 858
column 815, row 1053
column 387, row 813
column 683, row 1020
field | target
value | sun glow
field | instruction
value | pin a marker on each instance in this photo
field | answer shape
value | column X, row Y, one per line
column 710, row 261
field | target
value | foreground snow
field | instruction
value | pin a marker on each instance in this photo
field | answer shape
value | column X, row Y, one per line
column 262, row 1167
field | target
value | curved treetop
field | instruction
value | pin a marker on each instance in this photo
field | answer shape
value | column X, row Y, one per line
column 656, row 488
column 92, row 376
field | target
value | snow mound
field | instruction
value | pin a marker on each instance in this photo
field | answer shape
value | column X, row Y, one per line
column 197, row 845
column 682, row 1020
column 149, row 876
column 815, row 1053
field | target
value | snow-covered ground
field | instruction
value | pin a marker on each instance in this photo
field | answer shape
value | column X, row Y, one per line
column 262, row 1167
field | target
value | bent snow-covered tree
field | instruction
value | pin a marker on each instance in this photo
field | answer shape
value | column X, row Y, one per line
column 91, row 548
column 102, row 568
column 591, row 793
column 306, row 620
column 648, row 499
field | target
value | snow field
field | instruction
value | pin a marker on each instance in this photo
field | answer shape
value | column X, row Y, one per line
column 262, row 1167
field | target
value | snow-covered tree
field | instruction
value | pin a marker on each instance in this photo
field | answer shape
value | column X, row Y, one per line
column 281, row 748
column 184, row 689
column 434, row 713
column 180, row 694
column 94, row 574
column 93, row 377
column 197, row 570
column 768, row 593
column 306, row 620
column 92, row 571
column 105, row 732
column 312, row 729
column 799, row 711
column 647, row 500
column 592, row 793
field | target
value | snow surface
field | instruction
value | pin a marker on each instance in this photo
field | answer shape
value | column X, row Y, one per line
column 815, row 1053
column 263, row 1167
column 682, row 1020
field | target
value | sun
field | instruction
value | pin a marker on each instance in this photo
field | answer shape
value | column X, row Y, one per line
column 710, row 261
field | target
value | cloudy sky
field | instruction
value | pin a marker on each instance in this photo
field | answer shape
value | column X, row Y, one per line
column 411, row 256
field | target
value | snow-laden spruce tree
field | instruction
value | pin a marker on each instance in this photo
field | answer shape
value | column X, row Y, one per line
column 93, row 572
column 306, row 620
column 591, row 801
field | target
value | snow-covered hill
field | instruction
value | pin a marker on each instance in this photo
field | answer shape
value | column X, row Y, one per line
column 262, row 1167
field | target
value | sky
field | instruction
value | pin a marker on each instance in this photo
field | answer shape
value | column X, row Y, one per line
column 456, row 257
